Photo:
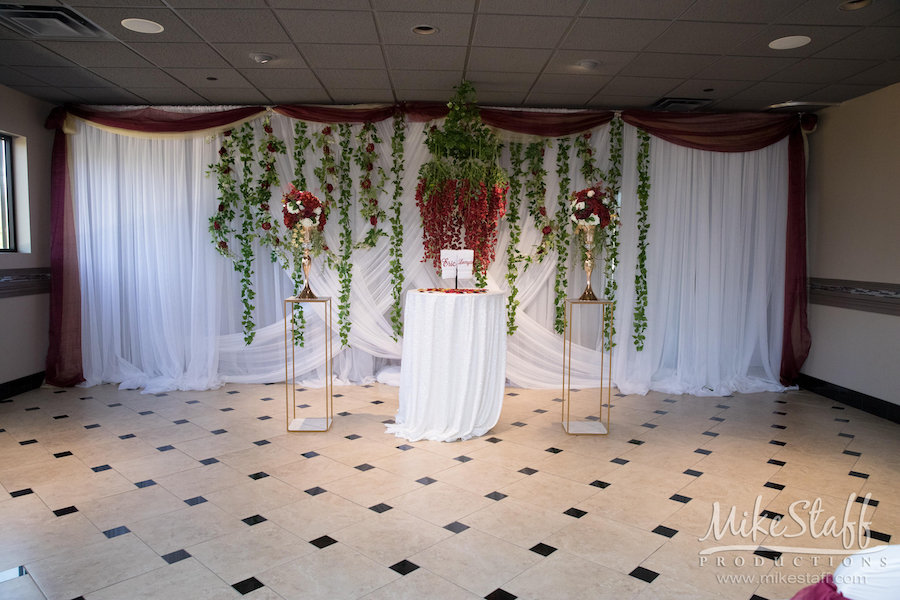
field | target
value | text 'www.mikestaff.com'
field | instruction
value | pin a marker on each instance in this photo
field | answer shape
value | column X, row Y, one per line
column 786, row 579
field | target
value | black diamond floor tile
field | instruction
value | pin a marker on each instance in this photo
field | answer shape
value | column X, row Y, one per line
column 780, row 463
column 540, row 411
column 165, row 448
column 404, row 447
column 635, row 442
column 28, row 442
column 693, row 473
column 195, row 501
column 62, row 454
column 649, row 425
column 456, row 527
column 519, row 424
column 500, row 594
column 665, row 531
column 852, row 453
column 254, row 520
column 92, row 426
column 24, row 492
column 176, row 556
column 680, row 498
column 553, row 450
column 352, row 436
column 768, row 514
column 877, row 535
column 323, row 542
column 543, row 549
column 262, row 442
column 116, row 531
column 219, row 431
column 248, row 585
column 774, row 486
column 426, row 481
column 209, row 461
column 600, row 484
column 180, row 421
column 315, row 491
column 260, row 475
column 644, row 574
column 146, row 483
column 575, row 512
column 493, row 440
column 777, row 443
column 495, row 496
column 858, row 474
column 310, row 454
column 711, row 433
column 404, row 567
column 364, row 467
column 619, row 461
column 462, row 458
column 65, row 511
column 145, row 413
column 344, row 414
column 770, row 554
column 702, row 451
column 381, row 508
column 127, row 436
column 61, row 417
column 528, row 471
column 870, row 501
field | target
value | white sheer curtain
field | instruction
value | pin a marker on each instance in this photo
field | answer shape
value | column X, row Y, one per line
column 161, row 309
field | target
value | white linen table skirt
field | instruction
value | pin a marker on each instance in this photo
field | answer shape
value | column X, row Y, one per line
column 453, row 370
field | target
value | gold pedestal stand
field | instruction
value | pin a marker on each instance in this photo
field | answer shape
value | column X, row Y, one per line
column 587, row 427
column 317, row 424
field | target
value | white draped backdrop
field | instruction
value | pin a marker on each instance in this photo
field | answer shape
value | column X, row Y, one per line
column 161, row 308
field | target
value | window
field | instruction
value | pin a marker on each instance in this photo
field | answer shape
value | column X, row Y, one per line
column 7, row 218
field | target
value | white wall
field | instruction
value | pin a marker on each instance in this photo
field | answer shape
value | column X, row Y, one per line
column 854, row 233
column 24, row 320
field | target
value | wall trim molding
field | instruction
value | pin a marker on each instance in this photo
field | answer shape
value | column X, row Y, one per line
column 24, row 282
column 21, row 385
column 864, row 402
column 867, row 296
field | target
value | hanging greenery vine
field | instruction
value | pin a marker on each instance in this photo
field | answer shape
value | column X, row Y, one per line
column 513, row 256
column 396, row 251
column 463, row 186
column 536, row 192
column 301, row 143
column 614, row 178
column 368, row 190
column 562, row 235
column 268, row 149
column 640, row 275
column 344, row 265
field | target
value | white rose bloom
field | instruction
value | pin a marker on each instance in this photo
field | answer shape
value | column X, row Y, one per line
column 318, row 210
column 292, row 208
column 306, row 222
column 574, row 219
column 593, row 220
column 590, row 194
column 579, row 206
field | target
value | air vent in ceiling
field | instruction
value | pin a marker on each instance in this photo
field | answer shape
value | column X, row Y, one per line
column 680, row 104
column 49, row 23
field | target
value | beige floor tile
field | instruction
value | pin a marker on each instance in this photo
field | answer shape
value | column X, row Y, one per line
column 563, row 576
column 479, row 477
column 418, row 585
column 184, row 579
column 440, row 503
column 247, row 552
column 15, row 455
column 115, row 451
column 672, row 589
column 205, row 479
column 21, row 588
column 368, row 488
column 35, row 474
column 78, row 490
column 124, row 509
column 259, row 458
column 576, row 467
column 213, row 446
column 645, row 509
column 607, row 542
column 391, row 536
column 509, row 455
column 255, row 497
column 155, row 465
column 21, row 546
column 452, row 449
column 357, row 452
column 173, row 434
column 664, row 456
column 831, row 483
column 319, row 515
column 78, row 572
column 414, row 464
column 333, row 573
column 24, row 511
column 317, row 471
column 517, row 522
column 638, row 476
column 603, row 448
column 736, row 446
column 751, row 470
column 728, row 492
column 186, row 527
column 71, row 440
column 550, row 491
column 476, row 561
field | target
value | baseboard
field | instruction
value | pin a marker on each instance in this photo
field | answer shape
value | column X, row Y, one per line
column 21, row 385
column 870, row 404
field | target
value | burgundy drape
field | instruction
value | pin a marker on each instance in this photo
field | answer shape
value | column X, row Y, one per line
column 742, row 132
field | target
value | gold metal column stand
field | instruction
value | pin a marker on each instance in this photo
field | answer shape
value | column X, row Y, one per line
column 587, row 427
column 307, row 424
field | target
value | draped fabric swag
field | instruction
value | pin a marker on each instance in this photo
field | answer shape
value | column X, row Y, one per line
column 140, row 297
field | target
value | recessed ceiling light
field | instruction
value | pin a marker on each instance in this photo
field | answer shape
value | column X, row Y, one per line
column 790, row 42
column 424, row 29
column 855, row 4
column 588, row 63
column 142, row 25
column 261, row 57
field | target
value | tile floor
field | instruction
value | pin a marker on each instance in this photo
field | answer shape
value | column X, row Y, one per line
column 110, row 494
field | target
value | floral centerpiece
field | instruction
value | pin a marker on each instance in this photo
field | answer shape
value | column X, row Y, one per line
column 591, row 208
column 305, row 217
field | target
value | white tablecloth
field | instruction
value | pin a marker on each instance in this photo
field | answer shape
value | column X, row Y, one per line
column 453, row 370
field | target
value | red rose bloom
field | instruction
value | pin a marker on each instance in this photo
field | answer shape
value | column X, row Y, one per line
column 267, row 128
column 216, row 225
column 546, row 230
column 223, row 245
column 326, row 150
column 226, row 170
column 374, row 202
column 587, row 136
column 366, row 184
column 267, row 226
column 226, row 133
column 221, row 208
column 331, row 170
column 277, row 242
column 271, row 147
column 369, row 167
column 264, row 185
column 543, row 211
column 222, row 151
column 329, row 187
column 264, row 206
column 325, row 248
column 370, row 148
column 373, row 220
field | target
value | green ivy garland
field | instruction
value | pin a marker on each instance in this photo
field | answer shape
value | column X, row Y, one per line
column 365, row 157
column 396, row 250
column 301, row 143
column 513, row 256
column 613, row 182
column 269, row 148
column 640, row 275
column 244, row 263
column 344, row 265
column 562, row 235
column 536, row 192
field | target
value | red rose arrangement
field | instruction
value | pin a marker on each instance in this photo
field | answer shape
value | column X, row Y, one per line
column 303, row 209
column 594, row 206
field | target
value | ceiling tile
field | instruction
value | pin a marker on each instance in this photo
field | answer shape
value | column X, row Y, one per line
column 822, row 37
column 68, row 77
column 426, row 5
column 329, row 27
column 619, row 35
column 758, row 11
column 355, row 79
column 621, row 102
column 8, row 34
column 427, row 80
column 649, row 64
column 542, row 100
column 97, row 54
column 551, row 83
column 501, row 98
column 746, row 68
column 236, row 25
column 530, row 7
column 105, row 96
column 890, row 21
column 107, row 3
column 233, row 95
column 29, row 54
column 887, row 73
column 127, row 78
column 519, row 31
column 514, row 60
column 453, row 28
column 637, row 9
column 872, row 42
column 299, row 96
column 485, row 81
column 426, row 58
column 696, row 88
column 355, row 96
column 732, row 106
column 423, row 95
column 282, row 78
column 110, row 19
column 48, row 94
column 640, row 86
column 10, row 77
column 163, row 96
column 816, row 70
column 826, row 12
column 219, row 4
column 286, row 55
column 704, row 38
column 311, row 4
column 184, row 55
column 610, row 62
column 767, row 93
column 198, row 78
column 338, row 56
column 839, row 93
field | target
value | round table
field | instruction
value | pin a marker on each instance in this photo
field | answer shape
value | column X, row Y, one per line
column 453, row 370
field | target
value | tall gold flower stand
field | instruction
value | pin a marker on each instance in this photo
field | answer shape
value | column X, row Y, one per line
column 589, row 426
column 306, row 424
